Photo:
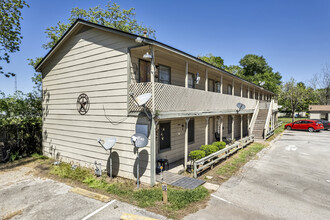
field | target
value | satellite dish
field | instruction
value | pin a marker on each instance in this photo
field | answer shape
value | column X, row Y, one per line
column 108, row 143
column 139, row 140
column 240, row 106
column 198, row 78
column 262, row 83
column 142, row 99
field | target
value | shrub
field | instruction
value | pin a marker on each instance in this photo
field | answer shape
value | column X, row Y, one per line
column 220, row 144
column 196, row 154
column 209, row 149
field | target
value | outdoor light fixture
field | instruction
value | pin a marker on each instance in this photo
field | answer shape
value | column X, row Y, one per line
column 147, row 56
column 138, row 40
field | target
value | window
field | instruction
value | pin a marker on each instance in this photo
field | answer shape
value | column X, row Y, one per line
column 210, row 85
column 217, row 87
column 164, row 136
column 256, row 96
column 230, row 123
column 191, row 83
column 144, row 71
column 229, row 90
column 164, row 74
column 191, row 131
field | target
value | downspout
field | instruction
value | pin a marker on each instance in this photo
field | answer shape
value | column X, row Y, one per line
column 153, row 122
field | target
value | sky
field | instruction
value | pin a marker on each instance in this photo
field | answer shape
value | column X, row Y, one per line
column 293, row 35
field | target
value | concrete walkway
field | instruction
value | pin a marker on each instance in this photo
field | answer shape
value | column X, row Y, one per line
column 291, row 180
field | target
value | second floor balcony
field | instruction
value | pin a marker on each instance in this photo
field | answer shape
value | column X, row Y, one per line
column 181, row 100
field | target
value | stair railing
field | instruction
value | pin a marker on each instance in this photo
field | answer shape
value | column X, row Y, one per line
column 254, row 118
column 270, row 111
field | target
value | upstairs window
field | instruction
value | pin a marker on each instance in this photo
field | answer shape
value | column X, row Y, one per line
column 217, row 87
column 210, row 85
column 229, row 90
column 164, row 74
column 191, row 83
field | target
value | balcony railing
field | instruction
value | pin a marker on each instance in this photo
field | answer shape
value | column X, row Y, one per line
column 169, row 98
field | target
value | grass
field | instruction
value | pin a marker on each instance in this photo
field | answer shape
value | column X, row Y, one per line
column 232, row 165
column 146, row 197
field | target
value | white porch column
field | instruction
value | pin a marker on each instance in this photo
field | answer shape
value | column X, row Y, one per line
column 248, row 122
column 233, row 88
column 221, row 84
column 186, row 143
column 248, row 95
column 186, row 79
column 206, row 130
column 241, row 126
column 259, row 95
column 233, row 127
column 206, row 80
column 241, row 89
column 221, row 126
column 254, row 93
column 152, row 70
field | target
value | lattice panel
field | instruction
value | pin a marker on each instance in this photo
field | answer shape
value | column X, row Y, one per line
column 169, row 98
column 139, row 89
column 175, row 98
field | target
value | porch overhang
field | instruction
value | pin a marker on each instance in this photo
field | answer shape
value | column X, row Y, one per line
column 176, row 115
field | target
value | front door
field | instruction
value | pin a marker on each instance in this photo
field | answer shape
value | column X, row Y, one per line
column 145, row 67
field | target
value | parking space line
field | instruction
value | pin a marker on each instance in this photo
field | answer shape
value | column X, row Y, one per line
column 217, row 197
column 98, row 210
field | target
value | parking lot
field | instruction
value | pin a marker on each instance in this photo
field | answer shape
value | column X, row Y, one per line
column 290, row 180
column 24, row 196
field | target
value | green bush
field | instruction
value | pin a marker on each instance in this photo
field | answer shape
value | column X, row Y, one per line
column 220, row 144
column 209, row 149
column 196, row 154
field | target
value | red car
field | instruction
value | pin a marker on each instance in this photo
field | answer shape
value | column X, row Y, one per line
column 308, row 125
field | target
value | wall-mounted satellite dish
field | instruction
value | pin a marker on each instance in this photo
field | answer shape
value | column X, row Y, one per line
column 139, row 141
column 108, row 144
column 141, row 100
column 198, row 78
column 240, row 107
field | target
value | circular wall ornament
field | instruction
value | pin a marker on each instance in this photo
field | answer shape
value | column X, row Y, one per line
column 83, row 104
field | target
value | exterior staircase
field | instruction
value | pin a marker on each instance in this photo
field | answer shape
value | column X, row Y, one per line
column 260, row 124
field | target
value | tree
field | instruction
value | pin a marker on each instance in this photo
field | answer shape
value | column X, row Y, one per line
column 10, row 29
column 321, row 84
column 111, row 16
column 211, row 59
column 293, row 96
column 255, row 69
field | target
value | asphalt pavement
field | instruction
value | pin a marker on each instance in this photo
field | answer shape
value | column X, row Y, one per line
column 290, row 180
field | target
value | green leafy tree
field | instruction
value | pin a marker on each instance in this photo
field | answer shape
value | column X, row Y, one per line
column 234, row 69
column 110, row 16
column 10, row 30
column 294, row 96
column 321, row 84
column 214, row 60
column 255, row 69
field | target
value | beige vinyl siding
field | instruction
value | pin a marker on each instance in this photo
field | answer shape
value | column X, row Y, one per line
column 92, row 62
